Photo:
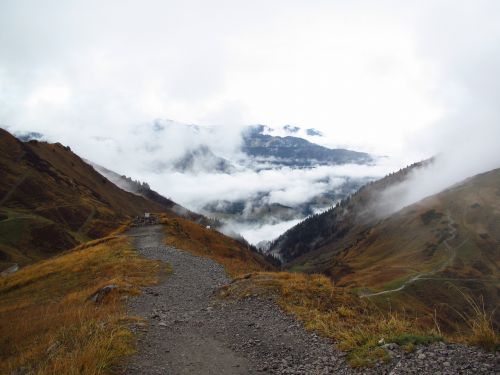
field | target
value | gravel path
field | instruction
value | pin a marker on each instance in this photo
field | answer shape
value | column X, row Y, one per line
column 190, row 332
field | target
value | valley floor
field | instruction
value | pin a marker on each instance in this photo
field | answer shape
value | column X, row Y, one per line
column 190, row 331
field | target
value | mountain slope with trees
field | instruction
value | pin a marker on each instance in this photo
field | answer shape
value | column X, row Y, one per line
column 428, row 257
column 351, row 215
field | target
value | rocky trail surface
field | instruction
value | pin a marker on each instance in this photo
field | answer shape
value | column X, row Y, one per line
column 189, row 331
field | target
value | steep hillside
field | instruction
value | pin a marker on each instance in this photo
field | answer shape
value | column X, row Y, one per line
column 420, row 258
column 352, row 215
column 51, row 200
column 50, row 325
column 237, row 257
column 142, row 189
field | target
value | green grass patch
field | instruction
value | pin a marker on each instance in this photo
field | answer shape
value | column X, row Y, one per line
column 300, row 267
column 404, row 339
column 367, row 356
column 11, row 231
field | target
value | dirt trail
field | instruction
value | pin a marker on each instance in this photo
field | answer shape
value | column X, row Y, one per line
column 190, row 332
column 428, row 275
column 177, row 309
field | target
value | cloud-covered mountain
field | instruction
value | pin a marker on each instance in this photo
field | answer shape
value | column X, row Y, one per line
column 53, row 200
column 424, row 255
column 144, row 190
column 202, row 159
column 277, row 178
column 295, row 151
column 258, row 180
column 259, row 149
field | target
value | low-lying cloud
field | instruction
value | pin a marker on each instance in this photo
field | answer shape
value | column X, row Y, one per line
column 468, row 154
column 415, row 78
column 155, row 148
column 285, row 185
column 466, row 140
column 258, row 234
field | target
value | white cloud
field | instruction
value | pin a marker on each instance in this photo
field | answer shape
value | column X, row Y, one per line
column 297, row 192
column 352, row 71
column 466, row 138
column 255, row 233
column 284, row 185
column 405, row 79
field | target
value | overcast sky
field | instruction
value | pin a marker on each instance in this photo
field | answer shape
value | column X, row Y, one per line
column 372, row 75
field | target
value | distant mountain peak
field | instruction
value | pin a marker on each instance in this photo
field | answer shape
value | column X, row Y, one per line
column 314, row 133
column 291, row 129
column 202, row 159
column 290, row 150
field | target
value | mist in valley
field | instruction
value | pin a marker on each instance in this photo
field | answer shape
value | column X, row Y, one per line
column 465, row 141
column 403, row 82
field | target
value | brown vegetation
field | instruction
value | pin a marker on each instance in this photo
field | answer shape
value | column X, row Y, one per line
column 450, row 240
column 52, row 200
column 357, row 325
column 235, row 256
column 47, row 323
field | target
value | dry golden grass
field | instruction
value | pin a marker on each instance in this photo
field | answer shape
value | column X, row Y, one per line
column 480, row 324
column 48, row 326
column 122, row 228
column 355, row 324
column 189, row 236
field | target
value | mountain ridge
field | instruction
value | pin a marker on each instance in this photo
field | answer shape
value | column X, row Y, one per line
column 337, row 221
column 51, row 200
column 299, row 152
column 420, row 258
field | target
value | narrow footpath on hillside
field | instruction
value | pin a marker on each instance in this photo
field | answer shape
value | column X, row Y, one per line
column 452, row 253
column 189, row 331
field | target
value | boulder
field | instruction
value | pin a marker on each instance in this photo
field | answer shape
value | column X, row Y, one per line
column 99, row 295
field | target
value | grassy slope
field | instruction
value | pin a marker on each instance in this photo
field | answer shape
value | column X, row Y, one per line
column 413, row 241
column 47, row 325
column 197, row 239
column 355, row 324
column 53, row 328
column 51, row 200
column 339, row 223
